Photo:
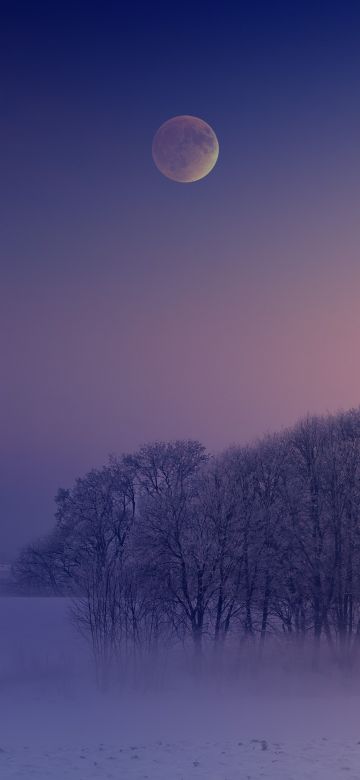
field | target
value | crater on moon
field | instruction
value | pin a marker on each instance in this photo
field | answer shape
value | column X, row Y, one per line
column 185, row 148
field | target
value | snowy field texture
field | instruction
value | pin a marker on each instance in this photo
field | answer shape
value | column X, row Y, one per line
column 54, row 724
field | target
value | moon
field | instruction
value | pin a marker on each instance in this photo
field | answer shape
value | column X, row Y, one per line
column 185, row 148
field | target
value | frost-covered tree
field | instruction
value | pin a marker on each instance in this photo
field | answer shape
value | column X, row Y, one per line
column 169, row 542
column 172, row 534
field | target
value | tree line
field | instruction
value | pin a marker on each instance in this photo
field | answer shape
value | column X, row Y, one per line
column 172, row 543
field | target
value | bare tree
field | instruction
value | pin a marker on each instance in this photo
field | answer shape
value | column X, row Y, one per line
column 94, row 520
column 172, row 532
column 171, row 543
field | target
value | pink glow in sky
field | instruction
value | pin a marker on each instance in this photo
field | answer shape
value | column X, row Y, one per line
column 132, row 308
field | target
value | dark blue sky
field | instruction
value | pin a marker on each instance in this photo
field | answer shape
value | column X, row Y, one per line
column 138, row 61
column 133, row 308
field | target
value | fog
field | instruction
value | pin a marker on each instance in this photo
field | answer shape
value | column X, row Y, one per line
column 162, row 717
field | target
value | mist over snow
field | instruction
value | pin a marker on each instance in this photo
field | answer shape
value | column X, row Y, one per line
column 278, row 720
column 192, row 616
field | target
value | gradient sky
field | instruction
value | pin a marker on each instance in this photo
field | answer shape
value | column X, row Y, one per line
column 134, row 308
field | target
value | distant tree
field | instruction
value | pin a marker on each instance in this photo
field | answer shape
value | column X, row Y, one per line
column 35, row 569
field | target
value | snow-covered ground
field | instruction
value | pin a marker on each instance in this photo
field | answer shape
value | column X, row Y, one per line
column 55, row 725
column 182, row 760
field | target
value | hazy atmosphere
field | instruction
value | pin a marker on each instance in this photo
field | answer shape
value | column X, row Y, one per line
column 179, row 391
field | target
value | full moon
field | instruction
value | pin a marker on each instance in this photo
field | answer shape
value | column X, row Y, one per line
column 185, row 148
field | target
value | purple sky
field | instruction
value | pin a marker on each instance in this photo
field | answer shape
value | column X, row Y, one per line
column 134, row 308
